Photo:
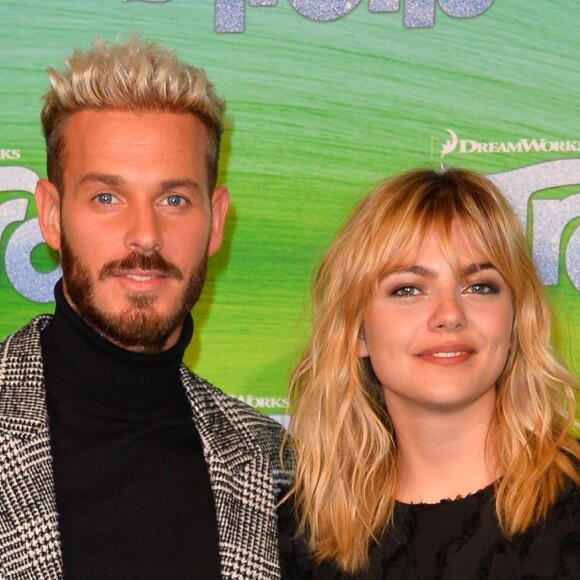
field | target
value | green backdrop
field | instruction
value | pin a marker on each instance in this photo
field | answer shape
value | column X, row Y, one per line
column 324, row 100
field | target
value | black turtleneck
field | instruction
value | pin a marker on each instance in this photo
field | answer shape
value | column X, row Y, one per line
column 132, row 486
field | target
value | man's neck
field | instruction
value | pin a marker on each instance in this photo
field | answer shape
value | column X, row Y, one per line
column 100, row 369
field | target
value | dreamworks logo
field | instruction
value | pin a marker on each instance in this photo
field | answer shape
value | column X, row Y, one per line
column 275, row 407
column 264, row 402
column 522, row 145
column 9, row 154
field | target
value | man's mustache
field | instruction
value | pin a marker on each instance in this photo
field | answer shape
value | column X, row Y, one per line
column 138, row 261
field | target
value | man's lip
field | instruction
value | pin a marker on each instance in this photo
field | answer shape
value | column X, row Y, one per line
column 141, row 274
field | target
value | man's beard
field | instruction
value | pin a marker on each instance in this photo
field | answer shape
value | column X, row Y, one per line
column 138, row 326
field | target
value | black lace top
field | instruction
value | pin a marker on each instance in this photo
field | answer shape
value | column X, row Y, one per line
column 454, row 540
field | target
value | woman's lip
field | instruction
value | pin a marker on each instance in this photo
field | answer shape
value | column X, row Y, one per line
column 447, row 354
column 448, row 350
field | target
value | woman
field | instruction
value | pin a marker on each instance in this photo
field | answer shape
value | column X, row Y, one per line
column 431, row 414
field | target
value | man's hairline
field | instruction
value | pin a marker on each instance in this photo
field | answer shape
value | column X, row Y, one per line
column 137, row 111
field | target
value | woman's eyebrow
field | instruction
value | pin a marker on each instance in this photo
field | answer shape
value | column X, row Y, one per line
column 474, row 268
column 415, row 269
column 430, row 273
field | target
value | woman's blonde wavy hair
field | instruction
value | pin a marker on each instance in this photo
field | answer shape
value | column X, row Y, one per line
column 345, row 447
column 134, row 76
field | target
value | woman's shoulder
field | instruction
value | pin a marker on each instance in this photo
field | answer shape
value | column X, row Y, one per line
column 563, row 517
column 552, row 544
column 296, row 560
column 454, row 538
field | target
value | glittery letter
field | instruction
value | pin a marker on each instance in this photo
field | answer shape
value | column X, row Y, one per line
column 464, row 8
column 28, row 282
column 573, row 259
column 324, row 10
column 11, row 211
column 419, row 13
column 551, row 216
column 383, row 5
column 229, row 15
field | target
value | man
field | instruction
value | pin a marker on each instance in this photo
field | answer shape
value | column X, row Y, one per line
column 117, row 461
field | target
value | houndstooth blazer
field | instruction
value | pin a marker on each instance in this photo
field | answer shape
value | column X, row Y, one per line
column 241, row 448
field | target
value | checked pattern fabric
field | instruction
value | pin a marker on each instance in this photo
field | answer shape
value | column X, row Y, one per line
column 241, row 448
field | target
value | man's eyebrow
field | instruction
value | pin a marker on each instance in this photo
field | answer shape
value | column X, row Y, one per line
column 118, row 181
column 177, row 183
column 106, row 179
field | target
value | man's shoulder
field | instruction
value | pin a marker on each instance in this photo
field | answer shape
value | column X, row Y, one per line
column 23, row 345
column 229, row 424
column 240, row 413
column 26, row 335
column 22, row 402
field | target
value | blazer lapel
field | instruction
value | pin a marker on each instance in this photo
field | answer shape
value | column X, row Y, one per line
column 242, row 482
column 29, row 537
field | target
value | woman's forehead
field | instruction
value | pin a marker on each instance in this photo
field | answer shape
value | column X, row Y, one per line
column 458, row 246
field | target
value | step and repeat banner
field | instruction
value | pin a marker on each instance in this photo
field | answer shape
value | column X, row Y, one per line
column 325, row 98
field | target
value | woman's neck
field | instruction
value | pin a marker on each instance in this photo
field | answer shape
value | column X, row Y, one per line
column 444, row 454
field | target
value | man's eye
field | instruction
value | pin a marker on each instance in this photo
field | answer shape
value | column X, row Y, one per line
column 174, row 200
column 105, row 198
column 405, row 291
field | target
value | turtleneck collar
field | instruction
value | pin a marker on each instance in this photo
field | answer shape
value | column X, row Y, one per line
column 105, row 372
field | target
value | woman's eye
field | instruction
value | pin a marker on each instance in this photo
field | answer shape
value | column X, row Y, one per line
column 105, row 198
column 481, row 288
column 405, row 291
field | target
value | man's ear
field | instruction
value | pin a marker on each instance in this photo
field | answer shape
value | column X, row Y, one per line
column 220, row 201
column 361, row 344
column 48, row 206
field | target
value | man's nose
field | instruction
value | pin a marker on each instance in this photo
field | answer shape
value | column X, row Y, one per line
column 144, row 229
